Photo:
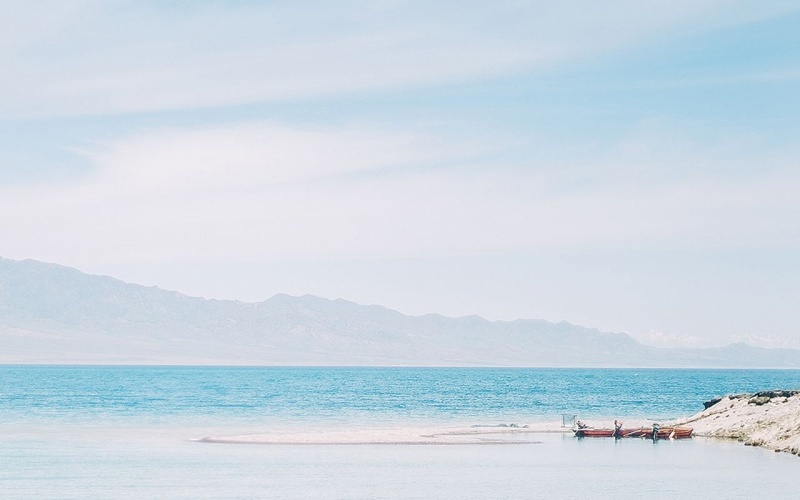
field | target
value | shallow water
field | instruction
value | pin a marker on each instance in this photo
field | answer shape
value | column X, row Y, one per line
column 126, row 432
column 83, row 464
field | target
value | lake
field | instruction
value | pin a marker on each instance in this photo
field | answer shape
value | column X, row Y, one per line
column 126, row 432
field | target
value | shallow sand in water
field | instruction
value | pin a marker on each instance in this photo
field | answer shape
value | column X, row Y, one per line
column 399, row 436
column 455, row 435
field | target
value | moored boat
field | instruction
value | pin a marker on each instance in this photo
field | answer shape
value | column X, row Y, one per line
column 642, row 432
column 594, row 432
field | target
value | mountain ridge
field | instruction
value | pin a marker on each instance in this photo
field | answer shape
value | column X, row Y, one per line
column 56, row 314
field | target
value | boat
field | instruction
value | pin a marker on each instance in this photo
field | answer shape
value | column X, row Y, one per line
column 595, row 433
column 642, row 432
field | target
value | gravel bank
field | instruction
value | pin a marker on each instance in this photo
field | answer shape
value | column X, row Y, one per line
column 770, row 419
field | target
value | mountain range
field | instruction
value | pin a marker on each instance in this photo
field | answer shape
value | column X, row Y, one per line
column 59, row 315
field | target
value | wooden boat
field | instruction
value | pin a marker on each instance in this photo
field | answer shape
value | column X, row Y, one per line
column 642, row 432
column 664, row 433
column 595, row 433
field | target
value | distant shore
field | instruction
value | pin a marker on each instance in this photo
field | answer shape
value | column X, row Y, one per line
column 770, row 419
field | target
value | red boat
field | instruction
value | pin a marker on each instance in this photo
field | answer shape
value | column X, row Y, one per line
column 642, row 432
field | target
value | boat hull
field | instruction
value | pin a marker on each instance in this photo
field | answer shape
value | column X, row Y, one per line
column 663, row 433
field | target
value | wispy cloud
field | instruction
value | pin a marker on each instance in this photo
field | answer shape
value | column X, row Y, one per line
column 115, row 57
column 248, row 157
column 266, row 191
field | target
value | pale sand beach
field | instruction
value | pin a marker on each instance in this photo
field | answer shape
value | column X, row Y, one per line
column 770, row 419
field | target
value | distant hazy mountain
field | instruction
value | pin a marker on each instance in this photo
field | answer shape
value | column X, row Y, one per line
column 55, row 314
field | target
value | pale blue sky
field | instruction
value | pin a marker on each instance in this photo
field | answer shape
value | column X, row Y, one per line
column 626, row 165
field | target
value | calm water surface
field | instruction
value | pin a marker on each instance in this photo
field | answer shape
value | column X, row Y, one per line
column 346, row 395
column 124, row 432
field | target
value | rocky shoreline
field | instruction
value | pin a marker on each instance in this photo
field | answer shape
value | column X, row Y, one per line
column 770, row 419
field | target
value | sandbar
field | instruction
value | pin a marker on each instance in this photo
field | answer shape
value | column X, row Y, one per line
column 386, row 436
column 474, row 434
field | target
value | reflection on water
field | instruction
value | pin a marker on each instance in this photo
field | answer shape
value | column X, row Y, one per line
column 94, row 463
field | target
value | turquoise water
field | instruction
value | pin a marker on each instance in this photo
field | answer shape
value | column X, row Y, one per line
column 126, row 432
column 345, row 395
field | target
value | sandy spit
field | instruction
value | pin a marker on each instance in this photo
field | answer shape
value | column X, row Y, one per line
column 393, row 435
column 406, row 435
column 770, row 419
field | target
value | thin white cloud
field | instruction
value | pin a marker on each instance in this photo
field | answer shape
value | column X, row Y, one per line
column 260, row 192
column 249, row 157
column 114, row 57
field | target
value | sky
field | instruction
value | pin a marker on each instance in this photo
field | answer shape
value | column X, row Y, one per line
column 631, row 166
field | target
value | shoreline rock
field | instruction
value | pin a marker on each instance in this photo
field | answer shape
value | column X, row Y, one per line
column 770, row 419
